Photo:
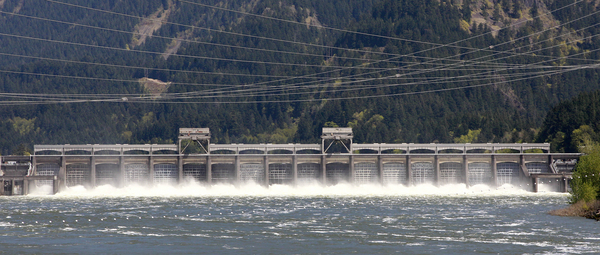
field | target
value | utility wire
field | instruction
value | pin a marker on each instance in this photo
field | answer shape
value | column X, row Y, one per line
column 454, row 65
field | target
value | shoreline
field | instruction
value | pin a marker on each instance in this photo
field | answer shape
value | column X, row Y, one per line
column 590, row 210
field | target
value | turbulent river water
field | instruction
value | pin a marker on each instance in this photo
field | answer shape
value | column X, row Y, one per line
column 279, row 219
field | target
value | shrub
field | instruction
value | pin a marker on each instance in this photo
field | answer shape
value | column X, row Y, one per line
column 585, row 185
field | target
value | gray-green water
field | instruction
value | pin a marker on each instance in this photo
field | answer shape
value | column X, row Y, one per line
column 275, row 220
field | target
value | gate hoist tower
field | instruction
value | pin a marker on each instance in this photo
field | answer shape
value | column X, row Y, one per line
column 199, row 135
column 338, row 135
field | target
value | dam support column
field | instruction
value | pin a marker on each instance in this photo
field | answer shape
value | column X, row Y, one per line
column 55, row 185
column 522, row 166
column 266, row 164
column 122, row 172
column 380, row 169
column 494, row 172
column 436, row 170
column 93, row 171
column 236, row 170
column 208, row 170
column 409, row 175
column 295, row 169
column 465, row 171
column 25, row 186
column 180, row 168
column 352, row 173
column 151, row 170
column 62, row 173
column 565, row 186
column 323, row 170
column 536, row 182
column 33, row 173
column 33, row 166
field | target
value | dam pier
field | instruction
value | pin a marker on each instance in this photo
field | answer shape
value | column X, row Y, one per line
column 336, row 160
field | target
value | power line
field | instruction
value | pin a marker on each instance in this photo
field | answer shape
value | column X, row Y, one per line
column 152, row 99
column 187, row 40
column 422, row 51
column 178, row 55
column 447, row 66
column 133, row 16
column 423, row 71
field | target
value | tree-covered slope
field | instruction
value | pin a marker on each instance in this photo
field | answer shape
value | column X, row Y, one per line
column 573, row 122
column 278, row 71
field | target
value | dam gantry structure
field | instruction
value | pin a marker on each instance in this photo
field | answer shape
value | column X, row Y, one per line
column 337, row 159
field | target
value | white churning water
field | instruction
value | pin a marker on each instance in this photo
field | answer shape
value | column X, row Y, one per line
column 194, row 189
column 308, row 218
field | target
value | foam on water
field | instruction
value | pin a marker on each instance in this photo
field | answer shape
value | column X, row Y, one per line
column 40, row 190
column 314, row 189
column 307, row 218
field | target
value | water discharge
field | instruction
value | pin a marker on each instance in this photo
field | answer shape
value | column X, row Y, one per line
column 307, row 189
column 307, row 218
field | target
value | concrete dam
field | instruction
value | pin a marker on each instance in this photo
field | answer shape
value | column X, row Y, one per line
column 337, row 159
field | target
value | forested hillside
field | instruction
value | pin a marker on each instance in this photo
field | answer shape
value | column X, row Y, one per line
column 75, row 71
column 572, row 123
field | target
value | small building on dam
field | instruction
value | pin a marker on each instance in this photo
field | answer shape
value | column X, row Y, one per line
column 337, row 159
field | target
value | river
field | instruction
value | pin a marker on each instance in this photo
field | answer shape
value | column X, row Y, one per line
column 310, row 218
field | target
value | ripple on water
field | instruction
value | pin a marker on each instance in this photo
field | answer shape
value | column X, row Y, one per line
column 380, row 220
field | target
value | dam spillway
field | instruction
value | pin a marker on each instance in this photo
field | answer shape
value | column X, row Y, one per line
column 336, row 160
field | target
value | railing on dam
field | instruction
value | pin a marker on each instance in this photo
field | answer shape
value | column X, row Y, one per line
column 376, row 148
column 103, row 149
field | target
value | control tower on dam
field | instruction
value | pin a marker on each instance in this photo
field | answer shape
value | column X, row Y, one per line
column 336, row 160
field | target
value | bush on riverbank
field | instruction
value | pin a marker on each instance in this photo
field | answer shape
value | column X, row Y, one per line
column 585, row 185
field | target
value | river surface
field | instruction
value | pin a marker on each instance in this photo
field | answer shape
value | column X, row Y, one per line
column 308, row 219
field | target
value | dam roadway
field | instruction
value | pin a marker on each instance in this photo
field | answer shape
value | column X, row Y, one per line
column 337, row 159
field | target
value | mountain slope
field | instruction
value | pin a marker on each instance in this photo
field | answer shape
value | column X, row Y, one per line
column 278, row 71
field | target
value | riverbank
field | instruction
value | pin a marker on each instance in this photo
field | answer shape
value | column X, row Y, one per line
column 590, row 210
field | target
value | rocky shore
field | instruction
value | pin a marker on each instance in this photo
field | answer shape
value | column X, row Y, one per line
column 590, row 210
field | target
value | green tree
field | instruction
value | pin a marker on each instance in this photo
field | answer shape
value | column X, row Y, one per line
column 22, row 150
column 585, row 185
column 23, row 126
column 469, row 137
column 331, row 124
column 582, row 136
